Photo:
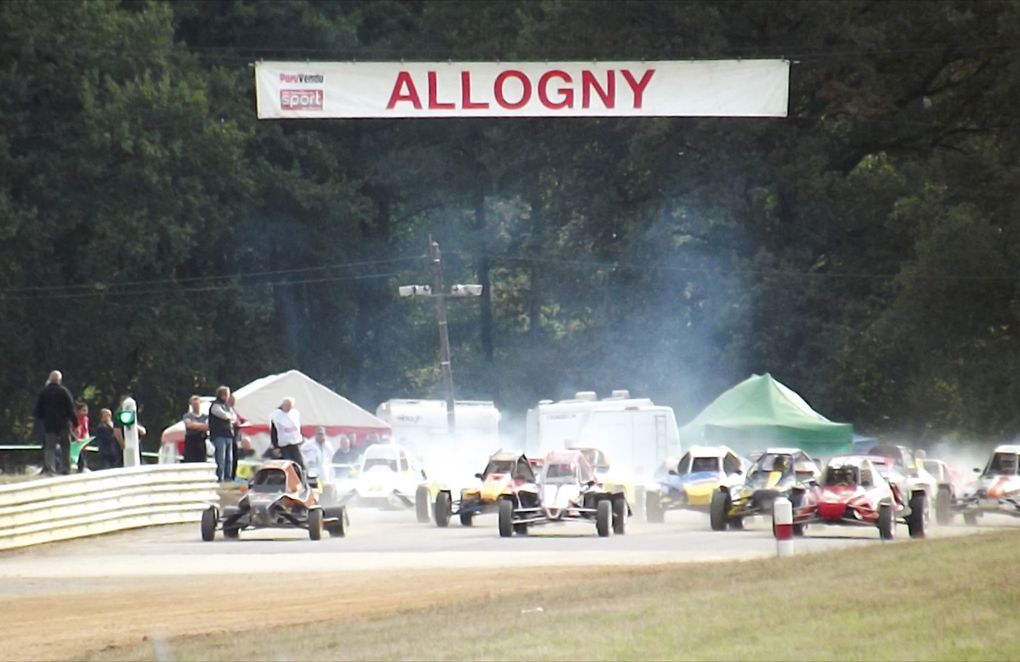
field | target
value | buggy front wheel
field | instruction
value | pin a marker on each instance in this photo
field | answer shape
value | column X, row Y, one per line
column 315, row 523
column 421, row 504
column 209, row 518
column 620, row 515
column 506, row 517
column 442, row 509
column 603, row 518
column 718, row 510
column 338, row 527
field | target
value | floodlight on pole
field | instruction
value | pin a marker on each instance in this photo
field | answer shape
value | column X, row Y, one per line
column 407, row 291
column 465, row 290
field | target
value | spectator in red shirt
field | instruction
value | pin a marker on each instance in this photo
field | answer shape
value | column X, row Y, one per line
column 81, row 431
column 81, row 428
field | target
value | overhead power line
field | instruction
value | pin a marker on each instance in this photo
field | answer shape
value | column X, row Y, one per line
column 780, row 273
column 98, row 288
column 196, row 284
column 192, row 290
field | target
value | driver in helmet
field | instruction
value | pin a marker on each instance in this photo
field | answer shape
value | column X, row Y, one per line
column 781, row 464
column 844, row 475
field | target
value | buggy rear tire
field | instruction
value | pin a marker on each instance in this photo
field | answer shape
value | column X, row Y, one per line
column 944, row 506
column 231, row 532
column 329, row 497
column 970, row 519
column 467, row 519
column 886, row 521
column 917, row 520
column 603, row 518
column 315, row 524
column 506, row 517
column 521, row 529
column 421, row 504
column 620, row 515
column 209, row 518
column 653, row 508
column 337, row 529
column 718, row 510
column 441, row 509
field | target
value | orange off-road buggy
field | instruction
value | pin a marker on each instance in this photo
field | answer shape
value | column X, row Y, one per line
column 279, row 496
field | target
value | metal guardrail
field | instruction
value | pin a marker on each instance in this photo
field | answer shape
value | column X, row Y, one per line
column 36, row 447
column 79, row 505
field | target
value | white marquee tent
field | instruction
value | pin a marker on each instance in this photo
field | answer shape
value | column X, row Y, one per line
column 318, row 405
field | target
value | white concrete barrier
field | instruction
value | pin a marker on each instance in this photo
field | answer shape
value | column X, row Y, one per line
column 80, row 505
column 782, row 525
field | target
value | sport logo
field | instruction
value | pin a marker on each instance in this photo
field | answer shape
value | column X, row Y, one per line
column 301, row 99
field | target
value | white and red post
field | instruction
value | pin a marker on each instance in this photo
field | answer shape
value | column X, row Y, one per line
column 782, row 524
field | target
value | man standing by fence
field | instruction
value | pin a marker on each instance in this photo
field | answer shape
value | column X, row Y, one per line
column 285, row 431
column 221, row 432
column 196, row 429
column 55, row 408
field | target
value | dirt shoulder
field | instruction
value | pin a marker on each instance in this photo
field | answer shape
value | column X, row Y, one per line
column 48, row 621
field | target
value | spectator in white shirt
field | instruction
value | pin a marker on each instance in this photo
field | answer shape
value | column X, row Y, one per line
column 318, row 456
column 285, row 431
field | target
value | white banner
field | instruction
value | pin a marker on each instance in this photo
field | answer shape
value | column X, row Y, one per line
column 716, row 88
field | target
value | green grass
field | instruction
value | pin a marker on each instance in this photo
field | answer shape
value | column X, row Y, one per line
column 947, row 599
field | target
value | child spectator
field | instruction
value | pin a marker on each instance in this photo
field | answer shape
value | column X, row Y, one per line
column 81, row 428
column 81, row 432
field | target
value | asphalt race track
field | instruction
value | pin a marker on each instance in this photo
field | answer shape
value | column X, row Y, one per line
column 381, row 540
column 174, row 585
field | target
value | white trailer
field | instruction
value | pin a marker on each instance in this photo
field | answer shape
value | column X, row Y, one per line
column 421, row 427
column 423, row 422
column 636, row 434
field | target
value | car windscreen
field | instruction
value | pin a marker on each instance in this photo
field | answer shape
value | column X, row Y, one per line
column 558, row 473
column 498, row 467
column 269, row 480
column 705, row 464
column 775, row 462
column 1002, row 464
column 524, row 472
column 845, row 474
column 373, row 462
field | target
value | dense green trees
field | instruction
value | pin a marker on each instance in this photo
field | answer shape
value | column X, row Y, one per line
column 155, row 238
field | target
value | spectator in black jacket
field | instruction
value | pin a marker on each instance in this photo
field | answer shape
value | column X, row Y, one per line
column 55, row 407
column 221, row 432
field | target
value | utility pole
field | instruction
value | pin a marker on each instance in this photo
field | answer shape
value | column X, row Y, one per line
column 436, row 291
column 436, row 260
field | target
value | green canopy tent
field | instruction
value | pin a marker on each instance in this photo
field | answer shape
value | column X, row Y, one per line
column 760, row 412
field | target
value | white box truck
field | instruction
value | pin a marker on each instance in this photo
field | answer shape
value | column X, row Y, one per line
column 421, row 427
column 637, row 434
